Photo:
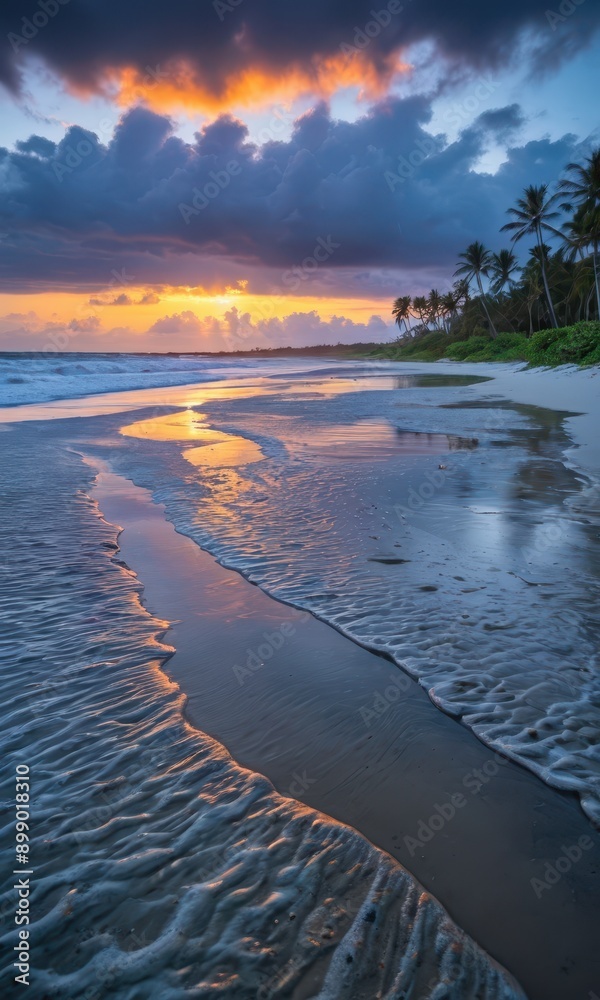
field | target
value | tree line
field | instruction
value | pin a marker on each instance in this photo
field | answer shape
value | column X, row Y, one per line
column 553, row 288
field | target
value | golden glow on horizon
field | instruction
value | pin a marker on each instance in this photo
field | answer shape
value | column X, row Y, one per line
column 64, row 308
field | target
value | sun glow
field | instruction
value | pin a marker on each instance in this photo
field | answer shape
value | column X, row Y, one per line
column 88, row 315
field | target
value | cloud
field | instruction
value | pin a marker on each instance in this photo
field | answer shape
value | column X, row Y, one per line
column 211, row 54
column 118, row 300
column 502, row 123
column 300, row 216
column 184, row 331
column 149, row 298
column 183, row 322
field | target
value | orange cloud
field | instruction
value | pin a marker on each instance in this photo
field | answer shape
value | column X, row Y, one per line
column 180, row 86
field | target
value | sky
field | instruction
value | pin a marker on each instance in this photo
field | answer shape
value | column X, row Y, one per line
column 227, row 174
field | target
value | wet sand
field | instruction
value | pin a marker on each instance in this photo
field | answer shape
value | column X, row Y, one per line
column 345, row 731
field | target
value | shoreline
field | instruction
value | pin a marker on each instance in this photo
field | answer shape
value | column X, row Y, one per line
column 501, row 373
column 166, row 861
column 479, row 863
column 302, row 758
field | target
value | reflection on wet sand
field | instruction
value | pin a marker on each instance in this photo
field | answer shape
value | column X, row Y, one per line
column 217, row 449
column 232, row 453
column 186, row 425
column 366, row 440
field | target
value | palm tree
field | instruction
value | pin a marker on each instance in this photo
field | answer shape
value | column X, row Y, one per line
column 450, row 305
column 532, row 291
column 582, row 189
column 582, row 286
column 584, row 186
column 434, row 303
column 531, row 218
column 477, row 261
column 401, row 311
column 504, row 265
column 462, row 291
column 421, row 307
column 576, row 235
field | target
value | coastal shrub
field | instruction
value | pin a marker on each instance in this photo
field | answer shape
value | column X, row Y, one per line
column 543, row 346
column 577, row 344
column 427, row 345
column 506, row 347
column 463, row 349
column 583, row 341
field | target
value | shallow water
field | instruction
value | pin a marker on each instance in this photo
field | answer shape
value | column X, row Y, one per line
column 475, row 568
column 458, row 541
column 163, row 869
column 215, row 448
column 345, row 731
column 505, row 529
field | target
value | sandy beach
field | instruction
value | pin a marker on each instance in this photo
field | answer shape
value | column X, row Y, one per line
column 300, row 500
column 338, row 678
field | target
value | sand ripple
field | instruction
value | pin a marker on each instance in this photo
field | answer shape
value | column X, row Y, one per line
column 476, row 570
column 163, row 869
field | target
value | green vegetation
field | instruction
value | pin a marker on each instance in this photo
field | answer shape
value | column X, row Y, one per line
column 570, row 345
column 549, row 306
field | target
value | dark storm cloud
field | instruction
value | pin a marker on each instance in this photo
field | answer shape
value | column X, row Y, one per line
column 504, row 122
column 377, row 193
column 83, row 39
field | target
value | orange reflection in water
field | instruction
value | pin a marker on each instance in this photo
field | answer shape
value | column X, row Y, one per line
column 232, row 453
column 217, row 449
column 187, row 425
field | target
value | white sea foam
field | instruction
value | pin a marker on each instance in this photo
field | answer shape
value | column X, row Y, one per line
column 476, row 569
column 162, row 869
column 42, row 377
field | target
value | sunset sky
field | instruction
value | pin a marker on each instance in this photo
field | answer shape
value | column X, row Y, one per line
column 238, row 173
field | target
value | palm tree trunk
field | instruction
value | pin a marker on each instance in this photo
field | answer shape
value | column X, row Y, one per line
column 596, row 278
column 545, row 279
column 489, row 318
